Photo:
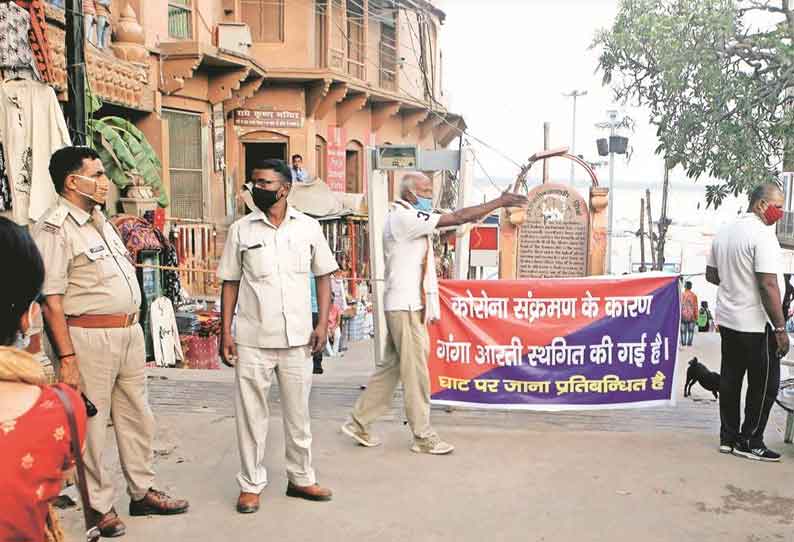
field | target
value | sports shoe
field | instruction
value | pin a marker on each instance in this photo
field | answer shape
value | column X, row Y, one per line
column 432, row 445
column 352, row 430
column 761, row 453
column 726, row 448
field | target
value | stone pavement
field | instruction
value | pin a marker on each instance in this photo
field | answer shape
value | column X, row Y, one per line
column 618, row 475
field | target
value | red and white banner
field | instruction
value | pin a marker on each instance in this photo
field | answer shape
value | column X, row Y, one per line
column 335, row 162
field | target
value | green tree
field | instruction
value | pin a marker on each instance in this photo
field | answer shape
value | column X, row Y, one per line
column 718, row 79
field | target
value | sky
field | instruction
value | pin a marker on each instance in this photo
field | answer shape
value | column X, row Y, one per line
column 507, row 64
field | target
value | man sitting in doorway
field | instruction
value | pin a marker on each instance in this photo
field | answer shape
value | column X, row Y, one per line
column 298, row 173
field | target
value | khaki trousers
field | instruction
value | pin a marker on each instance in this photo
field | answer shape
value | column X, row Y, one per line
column 112, row 375
column 405, row 359
column 254, row 376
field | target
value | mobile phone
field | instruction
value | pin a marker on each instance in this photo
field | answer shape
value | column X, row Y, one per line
column 90, row 408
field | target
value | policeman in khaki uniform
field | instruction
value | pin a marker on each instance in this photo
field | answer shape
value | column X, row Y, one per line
column 91, row 309
column 265, row 273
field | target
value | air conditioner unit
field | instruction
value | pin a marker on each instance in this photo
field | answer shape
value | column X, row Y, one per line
column 235, row 37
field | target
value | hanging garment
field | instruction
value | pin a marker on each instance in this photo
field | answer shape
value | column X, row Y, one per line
column 6, row 201
column 38, row 38
column 15, row 50
column 139, row 234
column 165, row 334
column 172, row 287
column 32, row 127
column 338, row 289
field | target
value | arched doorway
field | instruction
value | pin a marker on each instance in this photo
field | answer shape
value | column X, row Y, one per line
column 263, row 145
column 354, row 168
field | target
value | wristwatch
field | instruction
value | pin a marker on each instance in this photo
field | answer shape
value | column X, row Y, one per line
column 780, row 330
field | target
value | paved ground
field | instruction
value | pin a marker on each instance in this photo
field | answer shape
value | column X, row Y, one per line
column 627, row 475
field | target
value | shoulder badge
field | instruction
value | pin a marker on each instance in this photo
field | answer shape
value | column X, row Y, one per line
column 55, row 218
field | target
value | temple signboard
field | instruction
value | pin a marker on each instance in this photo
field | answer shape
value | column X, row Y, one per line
column 553, row 239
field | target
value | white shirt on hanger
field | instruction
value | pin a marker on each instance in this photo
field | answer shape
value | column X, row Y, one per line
column 165, row 334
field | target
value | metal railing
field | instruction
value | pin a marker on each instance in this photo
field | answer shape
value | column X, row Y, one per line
column 785, row 229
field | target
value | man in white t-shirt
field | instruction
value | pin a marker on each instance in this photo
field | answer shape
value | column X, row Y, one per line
column 745, row 262
column 410, row 301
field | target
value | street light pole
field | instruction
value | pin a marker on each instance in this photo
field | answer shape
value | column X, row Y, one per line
column 613, row 116
column 574, row 94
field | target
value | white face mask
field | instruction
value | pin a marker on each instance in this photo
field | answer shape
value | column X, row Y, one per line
column 22, row 341
column 23, row 337
column 92, row 197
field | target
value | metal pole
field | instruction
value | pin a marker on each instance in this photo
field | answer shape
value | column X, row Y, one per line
column 546, row 144
column 574, row 94
column 75, row 71
column 663, row 219
column 462, row 246
column 573, row 136
column 650, row 227
column 642, row 235
column 612, row 119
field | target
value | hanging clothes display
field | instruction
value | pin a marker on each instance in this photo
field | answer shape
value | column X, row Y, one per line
column 172, row 287
column 165, row 334
column 32, row 127
column 37, row 37
column 140, row 234
column 16, row 55
column 348, row 238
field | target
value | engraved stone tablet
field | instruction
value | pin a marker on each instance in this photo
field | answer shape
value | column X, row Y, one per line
column 552, row 241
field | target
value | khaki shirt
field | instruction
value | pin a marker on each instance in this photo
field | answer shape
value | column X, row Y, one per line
column 86, row 262
column 272, row 264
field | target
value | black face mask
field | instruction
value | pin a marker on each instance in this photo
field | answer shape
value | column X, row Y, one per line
column 264, row 199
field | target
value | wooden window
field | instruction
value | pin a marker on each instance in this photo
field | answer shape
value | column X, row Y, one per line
column 383, row 19
column 265, row 18
column 185, row 167
column 338, row 42
column 356, row 39
column 180, row 19
column 387, row 56
column 354, row 183
column 321, row 32
column 320, row 156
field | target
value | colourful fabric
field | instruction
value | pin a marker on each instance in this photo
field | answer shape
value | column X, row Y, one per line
column 38, row 38
column 36, row 451
column 137, row 234
column 334, row 314
column 689, row 306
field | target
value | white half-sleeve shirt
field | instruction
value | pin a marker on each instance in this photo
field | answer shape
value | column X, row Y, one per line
column 405, row 249
column 739, row 251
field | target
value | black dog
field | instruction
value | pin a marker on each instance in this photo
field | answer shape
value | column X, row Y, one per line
column 699, row 373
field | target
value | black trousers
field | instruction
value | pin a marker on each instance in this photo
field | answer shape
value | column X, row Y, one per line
column 318, row 357
column 756, row 355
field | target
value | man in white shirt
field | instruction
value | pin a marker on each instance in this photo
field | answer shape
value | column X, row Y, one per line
column 745, row 263
column 410, row 301
column 297, row 171
column 265, row 266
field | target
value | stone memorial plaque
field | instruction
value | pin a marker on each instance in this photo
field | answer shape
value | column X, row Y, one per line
column 552, row 241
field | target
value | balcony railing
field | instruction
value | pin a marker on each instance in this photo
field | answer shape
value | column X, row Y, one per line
column 180, row 19
column 785, row 229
